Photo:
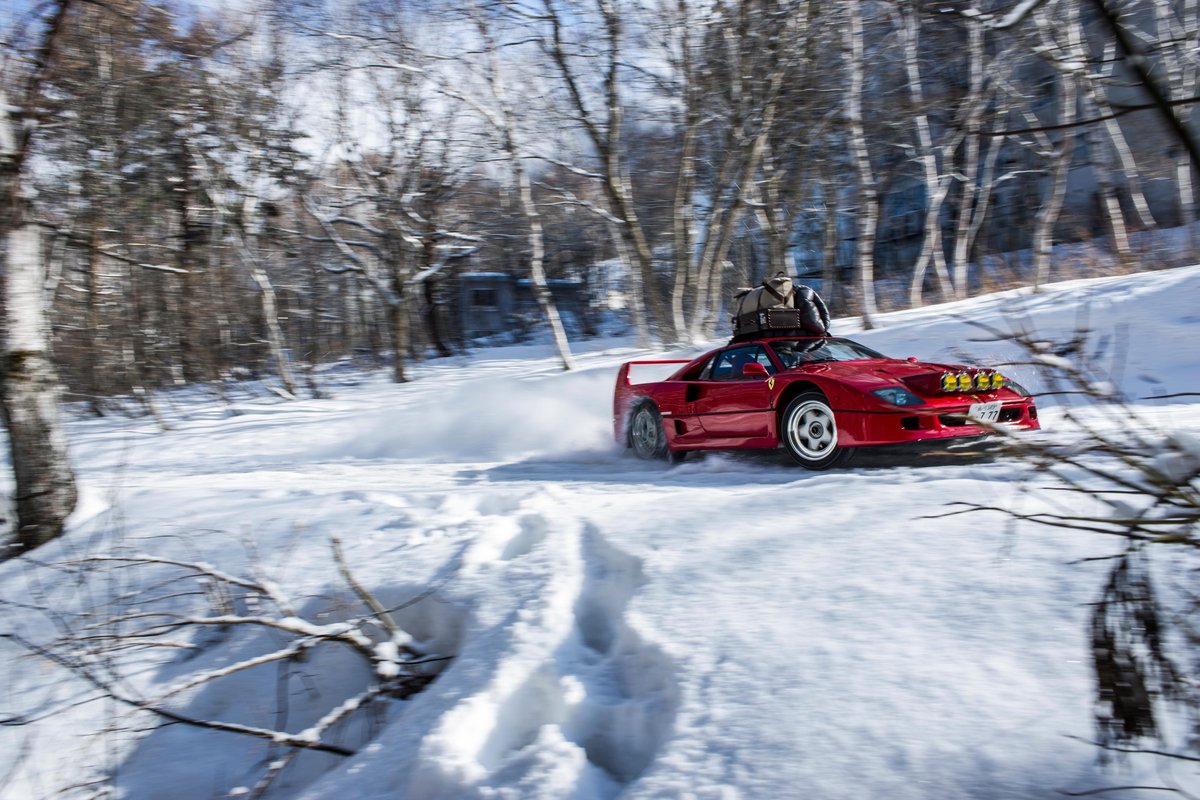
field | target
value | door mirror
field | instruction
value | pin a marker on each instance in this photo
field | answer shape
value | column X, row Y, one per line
column 754, row 369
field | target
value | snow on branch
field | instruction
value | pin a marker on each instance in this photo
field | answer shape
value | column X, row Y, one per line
column 197, row 607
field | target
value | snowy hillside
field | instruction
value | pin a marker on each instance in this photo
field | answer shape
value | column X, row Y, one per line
column 730, row 627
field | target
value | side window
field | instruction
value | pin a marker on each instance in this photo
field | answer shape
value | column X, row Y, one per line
column 728, row 364
column 723, row 365
column 786, row 354
column 761, row 357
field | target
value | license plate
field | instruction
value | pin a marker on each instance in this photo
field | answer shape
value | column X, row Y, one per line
column 985, row 412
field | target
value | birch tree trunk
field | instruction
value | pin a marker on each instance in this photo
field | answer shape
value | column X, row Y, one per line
column 683, row 218
column 1098, row 95
column 937, row 185
column 275, row 338
column 507, row 124
column 976, row 188
column 45, row 484
column 29, row 388
column 537, row 272
column 632, row 285
column 683, row 222
column 1099, row 149
column 1181, row 75
column 977, row 198
column 1048, row 213
column 252, row 256
column 854, row 54
column 833, row 290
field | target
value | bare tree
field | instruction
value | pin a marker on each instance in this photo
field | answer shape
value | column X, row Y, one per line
column 933, row 160
column 1066, row 66
column 854, row 60
column 45, row 483
column 749, row 57
column 1177, row 37
column 1098, row 95
column 502, row 120
column 241, row 166
column 604, row 130
column 385, row 203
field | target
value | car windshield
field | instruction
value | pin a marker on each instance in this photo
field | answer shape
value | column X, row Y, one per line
column 795, row 352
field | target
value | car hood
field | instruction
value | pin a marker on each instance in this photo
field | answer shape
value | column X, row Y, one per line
column 919, row 377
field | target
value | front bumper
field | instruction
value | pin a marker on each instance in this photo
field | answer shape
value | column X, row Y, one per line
column 865, row 428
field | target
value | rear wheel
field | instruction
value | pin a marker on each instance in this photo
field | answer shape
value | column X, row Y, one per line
column 646, row 436
column 809, row 432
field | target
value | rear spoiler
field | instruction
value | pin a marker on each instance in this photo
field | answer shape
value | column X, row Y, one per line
column 623, row 372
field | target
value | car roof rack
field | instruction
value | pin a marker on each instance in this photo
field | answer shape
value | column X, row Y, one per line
column 776, row 333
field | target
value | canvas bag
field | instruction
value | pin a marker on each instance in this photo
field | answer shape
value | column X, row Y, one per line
column 774, row 292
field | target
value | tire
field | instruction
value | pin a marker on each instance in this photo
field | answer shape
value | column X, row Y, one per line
column 808, row 430
column 646, row 436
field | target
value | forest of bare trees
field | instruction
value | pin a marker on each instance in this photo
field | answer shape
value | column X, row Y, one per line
column 192, row 195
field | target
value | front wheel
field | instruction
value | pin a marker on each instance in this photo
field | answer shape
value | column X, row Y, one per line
column 646, row 435
column 809, row 432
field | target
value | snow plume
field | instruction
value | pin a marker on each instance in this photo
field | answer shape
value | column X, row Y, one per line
column 487, row 420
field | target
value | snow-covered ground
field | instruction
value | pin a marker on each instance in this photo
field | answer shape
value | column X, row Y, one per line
column 730, row 627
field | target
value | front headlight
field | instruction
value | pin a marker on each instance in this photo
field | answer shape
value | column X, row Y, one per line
column 898, row 396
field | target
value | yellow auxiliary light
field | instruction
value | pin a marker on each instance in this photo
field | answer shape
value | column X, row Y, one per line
column 998, row 381
column 964, row 381
column 983, row 381
column 949, row 382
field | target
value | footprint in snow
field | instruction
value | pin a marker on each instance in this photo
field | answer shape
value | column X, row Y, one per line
column 532, row 529
column 630, row 693
column 604, row 690
column 561, row 697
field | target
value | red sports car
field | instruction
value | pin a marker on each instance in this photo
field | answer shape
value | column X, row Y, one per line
column 821, row 398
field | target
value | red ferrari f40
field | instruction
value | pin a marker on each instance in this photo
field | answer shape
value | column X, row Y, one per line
column 820, row 398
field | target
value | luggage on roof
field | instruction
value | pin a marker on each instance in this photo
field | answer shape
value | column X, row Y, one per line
column 776, row 292
column 778, row 307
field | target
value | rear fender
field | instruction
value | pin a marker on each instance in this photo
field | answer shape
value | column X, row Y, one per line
column 627, row 394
